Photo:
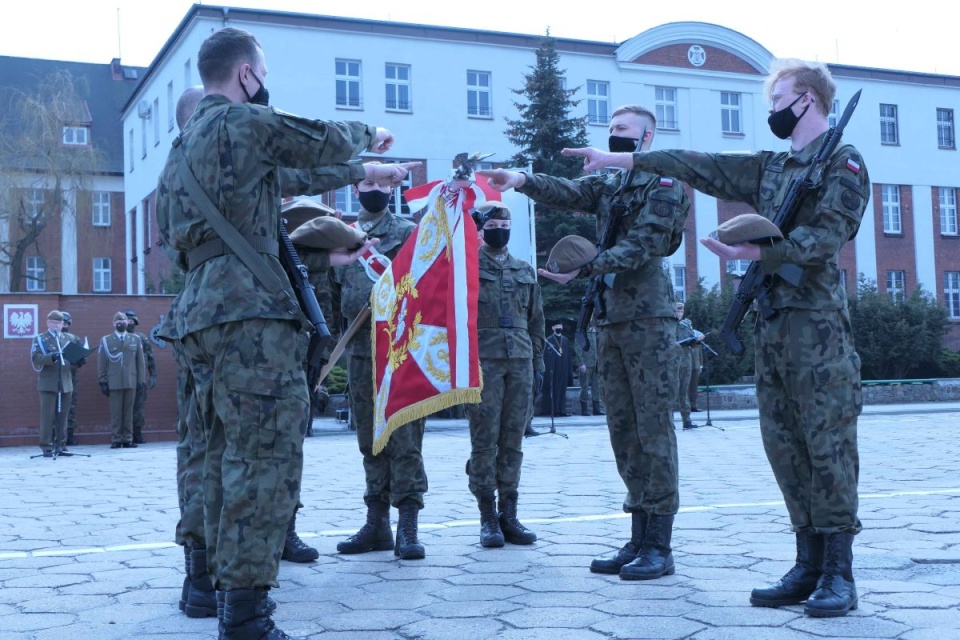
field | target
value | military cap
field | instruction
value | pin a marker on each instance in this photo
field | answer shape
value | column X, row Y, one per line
column 490, row 210
column 67, row 317
column 327, row 232
column 570, row 254
column 299, row 210
column 55, row 315
column 130, row 313
column 748, row 227
column 119, row 316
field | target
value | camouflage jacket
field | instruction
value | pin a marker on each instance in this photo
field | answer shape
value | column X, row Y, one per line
column 587, row 358
column 148, row 358
column 510, row 310
column 651, row 229
column 317, row 262
column 245, row 157
column 685, row 331
column 352, row 285
column 828, row 218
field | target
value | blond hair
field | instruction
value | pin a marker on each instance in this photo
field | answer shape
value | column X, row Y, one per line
column 808, row 77
column 641, row 112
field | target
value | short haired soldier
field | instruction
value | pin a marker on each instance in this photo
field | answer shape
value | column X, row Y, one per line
column 808, row 372
column 689, row 340
column 140, row 401
column 636, row 337
column 54, row 384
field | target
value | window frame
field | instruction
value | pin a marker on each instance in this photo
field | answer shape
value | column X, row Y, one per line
column 598, row 103
column 665, row 105
column 946, row 130
column 895, row 288
column 348, row 80
column 951, row 294
column 889, row 125
column 890, row 208
column 728, row 111
column 947, row 208
column 102, row 272
column 98, row 213
column 398, row 84
column 70, row 137
column 35, row 276
column 478, row 90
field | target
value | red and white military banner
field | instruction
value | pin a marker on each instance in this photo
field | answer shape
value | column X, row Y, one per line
column 424, row 319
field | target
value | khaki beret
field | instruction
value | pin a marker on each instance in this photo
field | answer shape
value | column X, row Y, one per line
column 299, row 210
column 570, row 253
column 327, row 232
column 55, row 315
column 119, row 316
column 748, row 227
column 490, row 210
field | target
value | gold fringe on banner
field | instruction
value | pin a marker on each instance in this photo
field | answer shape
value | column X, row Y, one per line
column 424, row 408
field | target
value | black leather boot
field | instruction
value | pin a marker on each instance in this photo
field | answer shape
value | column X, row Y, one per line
column 513, row 531
column 836, row 592
column 688, row 424
column 70, row 439
column 596, row 408
column 490, row 533
column 295, row 549
column 185, row 590
column 201, row 598
column 530, row 432
column 408, row 547
column 375, row 535
column 246, row 616
column 798, row 583
column 583, row 409
column 655, row 559
column 612, row 563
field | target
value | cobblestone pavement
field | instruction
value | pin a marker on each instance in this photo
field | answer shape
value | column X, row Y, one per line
column 86, row 551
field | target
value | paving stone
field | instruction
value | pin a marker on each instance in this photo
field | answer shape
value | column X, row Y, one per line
column 635, row 628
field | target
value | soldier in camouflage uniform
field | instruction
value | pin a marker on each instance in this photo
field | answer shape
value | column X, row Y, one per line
column 396, row 475
column 589, row 373
column 510, row 339
column 243, row 347
column 141, row 398
column 808, row 373
column 74, row 369
column 689, row 339
column 636, row 336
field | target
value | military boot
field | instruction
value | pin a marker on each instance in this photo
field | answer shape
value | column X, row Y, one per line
column 583, row 409
column 656, row 556
column 612, row 563
column 408, row 547
column 513, row 531
column 597, row 411
column 798, row 583
column 530, row 432
column 836, row 592
column 201, row 599
column 246, row 616
column 490, row 533
column 185, row 589
column 375, row 535
column 295, row 549
column 688, row 424
column 70, row 439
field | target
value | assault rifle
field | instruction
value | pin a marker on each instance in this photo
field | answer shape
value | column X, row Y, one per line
column 755, row 285
column 307, row 297
column 593, row 297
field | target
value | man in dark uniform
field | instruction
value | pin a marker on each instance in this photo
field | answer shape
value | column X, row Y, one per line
column 808, row 372
column 244, row 346
column 636, row 335
column 74, row 370
column 510, row 343
column 53, row 383
column 151, row 362
column 558, row 373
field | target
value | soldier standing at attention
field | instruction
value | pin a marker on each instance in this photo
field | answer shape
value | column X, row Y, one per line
column 808, row 373
column 689, row 339
column 244, row 347
column 589, row 373
column 636, row 337
column 396, row 476
column 53, row 383
column 74, row 369
column 510, row 343
column 141, row 398
column 121, row 371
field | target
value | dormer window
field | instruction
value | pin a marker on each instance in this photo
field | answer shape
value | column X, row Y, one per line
column 76, row 136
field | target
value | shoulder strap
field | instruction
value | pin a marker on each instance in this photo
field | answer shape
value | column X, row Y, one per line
column 232, row 237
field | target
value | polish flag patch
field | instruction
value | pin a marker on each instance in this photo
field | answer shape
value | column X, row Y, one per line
column 666, row 182
column 853, row 165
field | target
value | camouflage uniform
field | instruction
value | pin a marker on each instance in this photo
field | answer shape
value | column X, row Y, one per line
column 637, row 346
column 397, row 472
column 808, row 373
column 74, row 369
column 244, row 349
column 696, row 365
column 684, row 332
column 141, row 396
column 590, row 376
column 510, row 337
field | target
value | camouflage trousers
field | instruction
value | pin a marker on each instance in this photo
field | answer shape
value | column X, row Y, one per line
column 638, row 365
column 397, row 472
column 497, row 424
column 808, row 390
column 590, row 384
column 72, row 414
column 683, row 383
column 251, row 395
column 139, row 400
column 191, row 451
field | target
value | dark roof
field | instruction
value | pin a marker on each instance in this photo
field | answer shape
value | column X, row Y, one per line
column 104, row 88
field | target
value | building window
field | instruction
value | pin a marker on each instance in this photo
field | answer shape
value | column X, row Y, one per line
column 155, row 116
column 76, row 136
column 834, row 115
column 598, row 102
column 478, row 94
column 348, row 84
column 101, row 208
column 102, row 275
column 666, row 104
column 347, row 201
column 36, row 274
column 399, row 96
column 843, row 279
column 398, row 205
column 171, row 107
column 130, row 146
column 890, row 202
column 143, row 137
column 187, row 78
column 33, row 203
column 680, row 283
column 730, row 115
column 895, row 280
column 889, row 129
column 948, row 211
column 737, row 267
column 945, row 135
column 951, row 293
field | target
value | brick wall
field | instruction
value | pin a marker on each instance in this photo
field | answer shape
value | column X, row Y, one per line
column 675, row 55
column 896, row 251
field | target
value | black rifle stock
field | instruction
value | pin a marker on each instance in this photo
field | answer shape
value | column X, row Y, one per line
column 755, row 285
column 307, row 297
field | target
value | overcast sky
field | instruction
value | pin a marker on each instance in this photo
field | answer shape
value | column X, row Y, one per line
column 920, row 35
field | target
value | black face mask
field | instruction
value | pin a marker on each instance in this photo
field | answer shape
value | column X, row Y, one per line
column 121, row 327
column 619, row 144
column 496, row 238
column 557, row 331
column 261, row 97
column 374, row 201
column 783, row 122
